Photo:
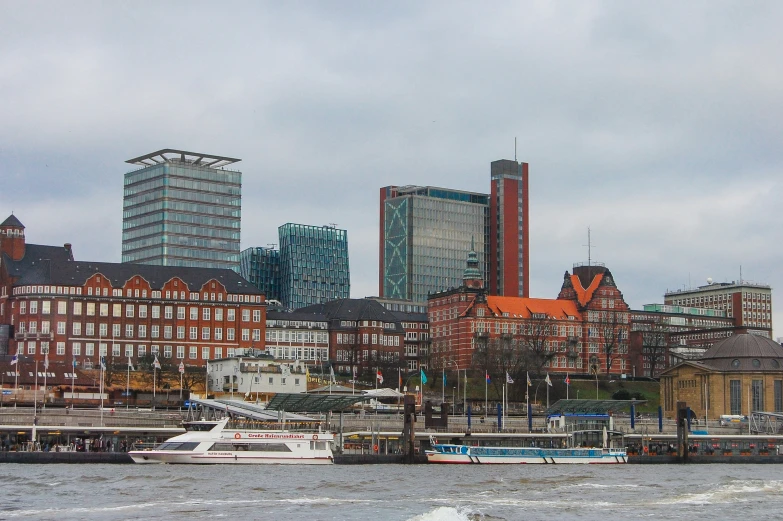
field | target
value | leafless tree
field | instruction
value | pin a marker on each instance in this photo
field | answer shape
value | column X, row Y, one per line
column 610, row 330
column 655, row 343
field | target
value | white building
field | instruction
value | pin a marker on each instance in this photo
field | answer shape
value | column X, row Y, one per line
column 255, row 377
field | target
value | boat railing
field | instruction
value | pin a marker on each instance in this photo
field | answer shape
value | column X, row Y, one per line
column 254, row 425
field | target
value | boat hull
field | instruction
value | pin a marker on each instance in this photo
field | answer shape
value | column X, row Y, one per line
column 151, row 456
column 524, row 455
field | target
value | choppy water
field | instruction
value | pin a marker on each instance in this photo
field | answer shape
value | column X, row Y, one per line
column 391, row 492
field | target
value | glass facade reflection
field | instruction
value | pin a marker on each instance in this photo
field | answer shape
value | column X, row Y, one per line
column 182, row 211
column 313, row 265
column 261, row 267
column 427, row 233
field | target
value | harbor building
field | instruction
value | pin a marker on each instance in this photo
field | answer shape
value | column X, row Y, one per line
column 314, row 265
column 79, row 311
column 297, row 336
column 255, row 377
column 425, row 231
column 182, row 209
column 736, row 376
column 749, row 304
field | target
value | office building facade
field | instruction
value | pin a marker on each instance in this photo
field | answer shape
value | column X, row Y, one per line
column 509, row 230
column 261, row 267
column 182, row 209
column 314, row 265
column 426, row 231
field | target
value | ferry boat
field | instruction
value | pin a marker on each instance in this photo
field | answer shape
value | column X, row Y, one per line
column 460, row 453
column 224, row 441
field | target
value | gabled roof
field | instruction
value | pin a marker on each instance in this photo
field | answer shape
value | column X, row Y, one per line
column 12, row 221
column 353, row 309
column 519, row 307
column 585, row 294
column 54, row 265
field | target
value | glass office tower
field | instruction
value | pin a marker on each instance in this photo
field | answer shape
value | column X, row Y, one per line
column 313, row 265
column 425, row 234
column 182, row 209
column 261, row 267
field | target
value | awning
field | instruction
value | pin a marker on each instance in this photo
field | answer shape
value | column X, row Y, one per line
column 300, row 402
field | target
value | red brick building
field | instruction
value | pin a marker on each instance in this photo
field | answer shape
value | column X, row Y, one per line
column 584, row 330
column 80, row 311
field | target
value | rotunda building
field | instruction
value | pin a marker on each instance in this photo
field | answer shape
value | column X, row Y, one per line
column 736, row 376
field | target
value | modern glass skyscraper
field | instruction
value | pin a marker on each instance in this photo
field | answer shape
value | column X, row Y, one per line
column 313, row 265
column 425, row 234
column 182, row 209
column 261, row 267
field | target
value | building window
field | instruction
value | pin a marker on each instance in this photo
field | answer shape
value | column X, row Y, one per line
column 155, row 311
column 62, row 307
column 181, row 332
column 128, row 350
column 230, row 315
column 166, row 332
column 757, row 388
column 735, row 391
column 218, row 352
column 245, row 335
column 180, row 352
column 30, row 348
column 245, row 315
column 194, row 332
column 129, row 331
column 60, row 328
column 142, row 351
column 193, row 313
column 230, row 333
column 77, row 328
column 778, row 386
column 218, row 333
column 76, row 349
column 218, row 314
column 168, row 312
column 142, row 311
column 89, row 349
column 193, row 352
column 115, row 330
column 256, row 335
column 129, row 310
column 204, row 333
column 166, row 351
column 205, row 353
column 205, row 314
column 142, row 331
column 116, row 310
column 155, row 332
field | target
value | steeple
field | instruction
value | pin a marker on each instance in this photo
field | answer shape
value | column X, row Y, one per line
column 472, row 275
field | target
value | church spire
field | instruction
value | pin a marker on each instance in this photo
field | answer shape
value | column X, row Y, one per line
column 472, row 275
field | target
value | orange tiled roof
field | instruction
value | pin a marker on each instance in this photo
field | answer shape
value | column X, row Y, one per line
column 584, row 295
column 518, row 307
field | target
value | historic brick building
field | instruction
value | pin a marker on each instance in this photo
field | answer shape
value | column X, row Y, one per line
column 585, row 330
column 79, row 311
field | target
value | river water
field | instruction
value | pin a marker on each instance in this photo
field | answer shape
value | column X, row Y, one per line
column 391, row 492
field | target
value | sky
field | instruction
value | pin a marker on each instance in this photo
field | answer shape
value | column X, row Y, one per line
column 657, row 125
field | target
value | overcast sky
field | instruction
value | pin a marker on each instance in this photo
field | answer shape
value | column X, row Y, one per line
column 657, row 124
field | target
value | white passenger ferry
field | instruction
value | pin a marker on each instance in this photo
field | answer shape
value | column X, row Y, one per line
column 224, row 441
column 457, row 453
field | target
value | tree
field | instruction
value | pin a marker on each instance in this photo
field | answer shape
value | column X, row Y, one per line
column 535, row 340
column 655, row 343
column 612, row 330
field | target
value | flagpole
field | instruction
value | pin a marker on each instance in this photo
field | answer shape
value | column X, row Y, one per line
column 46, row 369
column 101, row 390
column 568, row 385
column 35, row 399
column 127, row 385
column 16, row 379
column 73, row 380
column 154, row 382
column 486, row 401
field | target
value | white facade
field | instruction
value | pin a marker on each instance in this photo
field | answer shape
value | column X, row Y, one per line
column 255, row 377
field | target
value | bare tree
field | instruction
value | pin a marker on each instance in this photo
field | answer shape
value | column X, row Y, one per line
column 536, row 343
column 655, row 343
column 611, row 328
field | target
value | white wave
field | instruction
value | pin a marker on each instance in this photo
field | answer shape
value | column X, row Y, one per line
column 734, row 492
column 443, row 514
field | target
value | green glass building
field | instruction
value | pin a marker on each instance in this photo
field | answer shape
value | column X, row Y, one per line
column 313, row 265
column 182, row 209
column 261, row 267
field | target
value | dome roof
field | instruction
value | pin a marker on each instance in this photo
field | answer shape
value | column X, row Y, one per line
column 745, row 352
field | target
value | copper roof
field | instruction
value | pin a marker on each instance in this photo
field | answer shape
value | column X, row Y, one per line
column 745, row 352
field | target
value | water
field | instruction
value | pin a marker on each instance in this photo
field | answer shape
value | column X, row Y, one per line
column 391, row 492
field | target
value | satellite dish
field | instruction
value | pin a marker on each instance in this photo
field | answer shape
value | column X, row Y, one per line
column 709, row 280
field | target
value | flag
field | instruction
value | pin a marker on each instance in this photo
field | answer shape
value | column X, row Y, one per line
column 547, row 380
column 15, row 358
column 399, row 377
column 423, row 377
column 74, row 363
column 487, row 377
column 567, row 380
column 103, row 363
column 510, row 380
column 332, row 379
column 46, row 361
column 182, row 367
column 130, row 364
column 379, row 376
column 156, row 363
column 307, row 373
column 444, row 379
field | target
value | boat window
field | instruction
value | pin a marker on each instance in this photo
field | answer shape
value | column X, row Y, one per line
column 270, row 447
column 222, row 447
column 174, row 445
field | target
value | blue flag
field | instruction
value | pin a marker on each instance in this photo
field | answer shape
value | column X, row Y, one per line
column 444, row 379
column 423, row 377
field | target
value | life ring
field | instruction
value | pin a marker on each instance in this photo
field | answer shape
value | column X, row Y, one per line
column 237, row 436
column 315, row 436
column 375, row 448
column 645, row 449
